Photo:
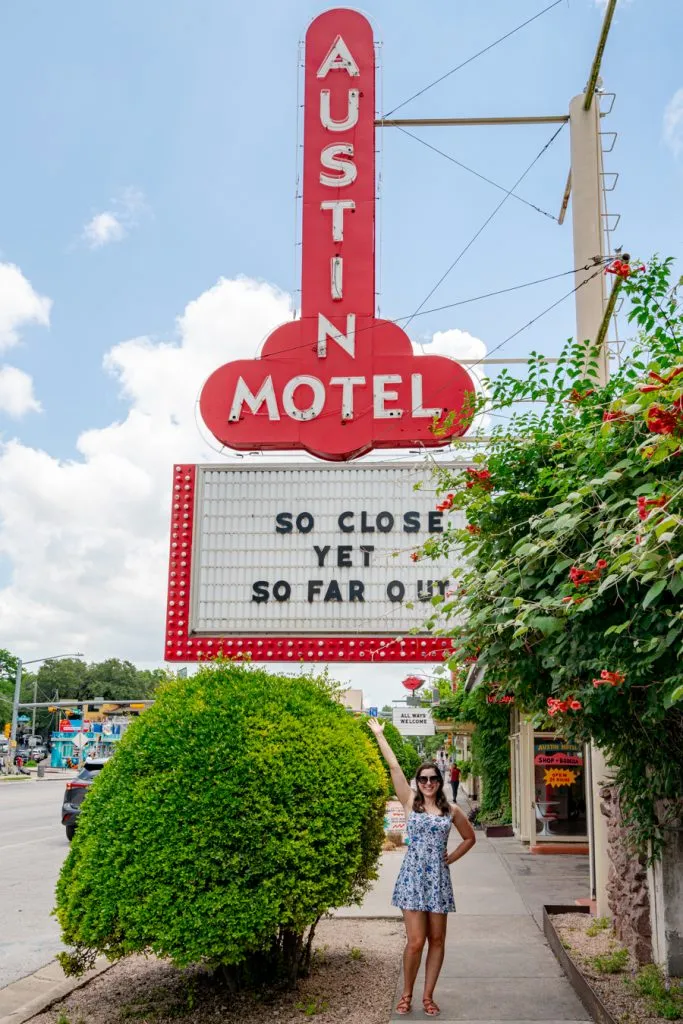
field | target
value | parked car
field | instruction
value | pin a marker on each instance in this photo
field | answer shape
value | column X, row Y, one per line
column 38, row 753
column 76, row 790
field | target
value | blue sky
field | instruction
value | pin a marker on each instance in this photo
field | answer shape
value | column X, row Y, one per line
column 179, row 120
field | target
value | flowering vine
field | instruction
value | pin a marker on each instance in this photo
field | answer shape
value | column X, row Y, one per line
column 574, row 558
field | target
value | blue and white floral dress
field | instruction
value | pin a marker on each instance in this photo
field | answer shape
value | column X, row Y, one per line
column 424, row 881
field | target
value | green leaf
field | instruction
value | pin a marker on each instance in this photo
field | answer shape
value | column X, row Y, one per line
column 547, row 624
column 618, row 629
column 654, row 591
column 676, row 695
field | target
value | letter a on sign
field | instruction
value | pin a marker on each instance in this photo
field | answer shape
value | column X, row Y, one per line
column 338, row 382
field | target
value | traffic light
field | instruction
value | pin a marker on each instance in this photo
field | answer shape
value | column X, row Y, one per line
column 7, row 729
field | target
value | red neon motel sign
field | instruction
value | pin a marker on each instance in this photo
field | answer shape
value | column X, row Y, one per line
column 338, row 382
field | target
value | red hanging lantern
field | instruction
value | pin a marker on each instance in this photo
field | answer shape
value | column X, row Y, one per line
column 413, row 683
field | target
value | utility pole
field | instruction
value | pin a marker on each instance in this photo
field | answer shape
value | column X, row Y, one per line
column 35, row 698
column 587, row 228
column 15, row 714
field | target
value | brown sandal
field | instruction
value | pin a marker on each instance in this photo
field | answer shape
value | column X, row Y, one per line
column 430, row 1008
column 403, row 1006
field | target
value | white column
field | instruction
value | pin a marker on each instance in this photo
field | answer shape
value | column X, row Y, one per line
column 597, row 837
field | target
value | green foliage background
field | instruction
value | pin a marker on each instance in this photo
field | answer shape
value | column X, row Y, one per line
column 237, row 810
column 406, row 754
column 490, row 748
column 562, row 493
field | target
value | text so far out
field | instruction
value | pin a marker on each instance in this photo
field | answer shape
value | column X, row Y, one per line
column 351, row 591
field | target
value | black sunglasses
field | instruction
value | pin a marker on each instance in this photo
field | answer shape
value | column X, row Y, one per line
column 424, row 779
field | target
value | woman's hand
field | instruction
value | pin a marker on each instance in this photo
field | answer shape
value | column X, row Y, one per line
column 374, row 726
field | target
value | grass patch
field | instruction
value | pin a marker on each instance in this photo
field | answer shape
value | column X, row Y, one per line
column 312, row 1005
column 610, row 963
column 600, row 924
column 663, row 1001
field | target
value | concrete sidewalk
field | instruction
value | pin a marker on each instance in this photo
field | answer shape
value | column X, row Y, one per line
column 498, row 966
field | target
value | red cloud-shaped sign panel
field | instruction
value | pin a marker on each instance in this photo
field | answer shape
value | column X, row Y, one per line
column 338, row 382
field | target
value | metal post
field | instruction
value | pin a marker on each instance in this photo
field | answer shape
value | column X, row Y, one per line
column 15, row 715
column 35, row 698
column 586, row 164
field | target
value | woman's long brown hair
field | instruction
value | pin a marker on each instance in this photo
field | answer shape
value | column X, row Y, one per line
column 440, row 798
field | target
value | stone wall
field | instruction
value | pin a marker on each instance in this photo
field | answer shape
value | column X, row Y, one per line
column 627, row 887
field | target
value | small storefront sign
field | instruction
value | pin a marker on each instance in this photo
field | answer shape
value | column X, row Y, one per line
column 556, row 754
column 414, row 721
column 394, row 818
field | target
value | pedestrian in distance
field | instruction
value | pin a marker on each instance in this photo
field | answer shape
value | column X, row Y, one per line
column 455, row 780
column 423, row 889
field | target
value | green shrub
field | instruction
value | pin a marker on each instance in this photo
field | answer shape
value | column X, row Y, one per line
column 406, row 754
column 611, row 963
column 237, row 810
column 662, row 1001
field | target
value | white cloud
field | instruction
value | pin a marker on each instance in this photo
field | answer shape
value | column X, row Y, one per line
column 88, row 538
column 103, row 229
column 462, row 345
column 113, row 225
column 19, row 305
column 16, row 392
column 672, row 129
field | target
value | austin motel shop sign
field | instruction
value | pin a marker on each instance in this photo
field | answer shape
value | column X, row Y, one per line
column 313, row 562
column 337, row 382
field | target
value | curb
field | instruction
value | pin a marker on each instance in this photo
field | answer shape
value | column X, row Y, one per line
column 583, row 988
column 55, row 990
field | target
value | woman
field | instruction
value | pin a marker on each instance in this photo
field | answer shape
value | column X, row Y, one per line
column 423, row 889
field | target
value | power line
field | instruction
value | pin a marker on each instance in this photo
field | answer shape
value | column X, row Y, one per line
column 488, row 220
column 471, row 170
column 473, row 57
column 542, row 314
column 439, row 309
column 368, row 409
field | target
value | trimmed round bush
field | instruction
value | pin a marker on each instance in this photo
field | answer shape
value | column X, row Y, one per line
column 237, row 810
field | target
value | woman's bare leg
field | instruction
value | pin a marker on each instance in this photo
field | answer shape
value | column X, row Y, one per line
column 416, row 933
column 436, row 937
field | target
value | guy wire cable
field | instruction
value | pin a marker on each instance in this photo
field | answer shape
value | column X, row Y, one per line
column 486, row 223
column 470, row 59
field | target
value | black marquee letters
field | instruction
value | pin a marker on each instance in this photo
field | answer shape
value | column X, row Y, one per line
column 349, row 556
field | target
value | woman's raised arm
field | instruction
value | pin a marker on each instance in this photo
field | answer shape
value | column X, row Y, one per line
column 401, row 784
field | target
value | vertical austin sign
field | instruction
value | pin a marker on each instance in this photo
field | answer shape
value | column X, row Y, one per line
column 338, row 382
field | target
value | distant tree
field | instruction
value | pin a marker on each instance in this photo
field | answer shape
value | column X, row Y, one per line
column 112, row 679
column 8, row 668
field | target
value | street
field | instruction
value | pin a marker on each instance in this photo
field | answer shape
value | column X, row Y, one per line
column 32, row 848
